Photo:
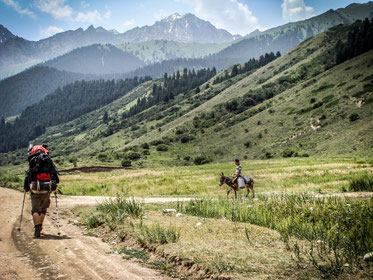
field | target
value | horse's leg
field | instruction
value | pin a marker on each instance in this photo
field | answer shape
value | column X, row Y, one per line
column 252, row 187
column 235, row 193
column 248, row 190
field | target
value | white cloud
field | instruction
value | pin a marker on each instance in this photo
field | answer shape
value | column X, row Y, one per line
column 231, row 15
column 56, row 8
column 50, row 30
column 17, row 7
column 84, row 4
column 295, row 10
column 129, row 23
column 89, row 16
column 107, row 15
column 60, row 10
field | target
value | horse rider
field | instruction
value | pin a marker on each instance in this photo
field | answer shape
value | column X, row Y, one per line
column 238, row 172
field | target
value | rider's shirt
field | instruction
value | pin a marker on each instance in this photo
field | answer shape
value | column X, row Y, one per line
column 238, row 169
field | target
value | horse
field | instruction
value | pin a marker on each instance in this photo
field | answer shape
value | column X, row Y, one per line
column 227, row 180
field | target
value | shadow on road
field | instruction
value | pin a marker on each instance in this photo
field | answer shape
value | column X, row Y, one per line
column 46, row 236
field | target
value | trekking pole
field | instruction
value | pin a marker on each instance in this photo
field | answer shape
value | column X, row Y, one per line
column 23, row 205
column 58, row 220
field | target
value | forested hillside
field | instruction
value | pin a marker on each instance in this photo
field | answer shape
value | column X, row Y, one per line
column 63, row 105
column 32, row 85
column 301, row 104
column 304, row 103
column 96, row 59
column 284, row 38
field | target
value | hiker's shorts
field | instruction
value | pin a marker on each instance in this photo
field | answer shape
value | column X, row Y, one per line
column 40, row 203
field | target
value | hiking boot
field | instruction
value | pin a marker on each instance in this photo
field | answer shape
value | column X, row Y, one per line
column 37, row 230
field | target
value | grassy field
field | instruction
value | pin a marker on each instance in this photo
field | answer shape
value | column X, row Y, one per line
column 280, row 175
column 328, row 175
column 291, row 230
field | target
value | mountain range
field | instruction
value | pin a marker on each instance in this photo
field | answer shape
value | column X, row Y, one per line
column 17, row 53
column 314, row 100
column 127, row 60
column 96, row 59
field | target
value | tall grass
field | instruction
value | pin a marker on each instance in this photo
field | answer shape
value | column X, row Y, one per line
column 11, row 181
column 362, row 182
column 334, row 231
column 157, row 234
column 114, row 212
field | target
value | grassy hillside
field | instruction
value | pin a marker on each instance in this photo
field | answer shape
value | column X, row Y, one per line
column 159, row 50
column 298, row 105
column 96, row 59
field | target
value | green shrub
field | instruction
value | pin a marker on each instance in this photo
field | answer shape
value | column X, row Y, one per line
column 102, row 157
column 268, row 155
column 145, row 146
column 126, row 162
column 162, row 148
column 187, row 138
column 187, row 158
column 156, row 142
column 200, row 160
column 93, row 221
column 362, row 182
column 289, row 153
column 322, row 88
column 134, row 156
column 353, row 117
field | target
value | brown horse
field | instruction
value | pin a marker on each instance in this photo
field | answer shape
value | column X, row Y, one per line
column 227, row 180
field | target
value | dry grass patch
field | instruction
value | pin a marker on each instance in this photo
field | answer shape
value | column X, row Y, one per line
column 222, row 247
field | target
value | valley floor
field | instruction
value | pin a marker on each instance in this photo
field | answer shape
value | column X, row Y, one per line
column 214, row 238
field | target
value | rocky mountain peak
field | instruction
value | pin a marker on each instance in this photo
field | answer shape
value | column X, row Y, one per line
column 172, row 17
column 5, row 34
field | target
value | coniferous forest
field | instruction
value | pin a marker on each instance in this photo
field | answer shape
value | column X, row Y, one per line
column 172, row 86
column 65, row 104
column 359, row 40
column 176, row 83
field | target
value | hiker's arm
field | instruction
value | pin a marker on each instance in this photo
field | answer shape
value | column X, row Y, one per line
column 26, row 183
column 55, row 178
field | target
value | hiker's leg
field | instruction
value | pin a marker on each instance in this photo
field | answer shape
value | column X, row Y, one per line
column 45, row 203
column 42, row 216
column 35, row 211
column 36, row 218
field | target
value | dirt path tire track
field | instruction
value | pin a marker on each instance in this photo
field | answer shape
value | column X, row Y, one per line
column 71, row 256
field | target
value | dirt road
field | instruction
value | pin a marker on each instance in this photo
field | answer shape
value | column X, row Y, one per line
column 70, row 256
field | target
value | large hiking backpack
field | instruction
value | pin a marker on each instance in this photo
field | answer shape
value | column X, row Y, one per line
column 41, row 171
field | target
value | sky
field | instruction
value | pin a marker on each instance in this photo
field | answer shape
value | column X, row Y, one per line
column 38, row 19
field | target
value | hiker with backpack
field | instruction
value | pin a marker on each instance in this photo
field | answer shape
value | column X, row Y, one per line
column 41, row 179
